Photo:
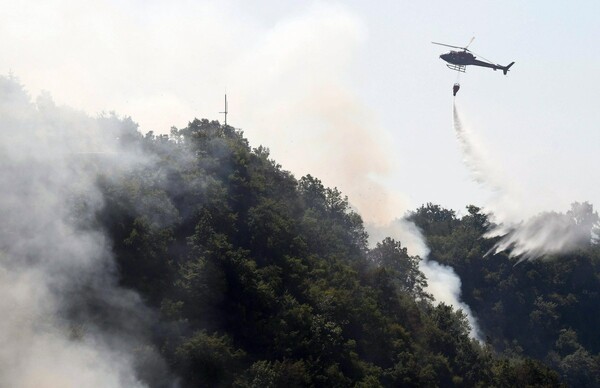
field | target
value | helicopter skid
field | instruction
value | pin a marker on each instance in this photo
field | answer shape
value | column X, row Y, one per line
column 461, row 68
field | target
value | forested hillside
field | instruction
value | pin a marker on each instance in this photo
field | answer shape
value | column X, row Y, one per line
column 260, row 279
column 547, row 309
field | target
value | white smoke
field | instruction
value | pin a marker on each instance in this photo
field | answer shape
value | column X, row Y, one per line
column 295, row 92
column 442, row 282
column 544, row 234
column 62, row 322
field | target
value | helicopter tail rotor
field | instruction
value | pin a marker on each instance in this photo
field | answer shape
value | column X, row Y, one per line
column 505, row 69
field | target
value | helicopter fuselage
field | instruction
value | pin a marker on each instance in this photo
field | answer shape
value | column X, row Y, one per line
column 463, row 58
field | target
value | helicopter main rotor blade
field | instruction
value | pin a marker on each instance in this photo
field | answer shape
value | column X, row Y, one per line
column 447, row 45
column 468, row 44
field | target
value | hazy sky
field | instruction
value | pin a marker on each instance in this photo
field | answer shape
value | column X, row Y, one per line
column 352, row 92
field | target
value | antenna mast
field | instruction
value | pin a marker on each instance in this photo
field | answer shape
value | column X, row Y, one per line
column 225, row 112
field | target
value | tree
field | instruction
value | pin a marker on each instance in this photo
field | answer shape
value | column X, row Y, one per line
column 404, row 269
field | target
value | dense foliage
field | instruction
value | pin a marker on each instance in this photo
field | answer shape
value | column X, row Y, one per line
column 264, row 280
column 547, row 309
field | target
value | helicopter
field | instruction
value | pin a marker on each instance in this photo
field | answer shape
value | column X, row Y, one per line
column 459, row 60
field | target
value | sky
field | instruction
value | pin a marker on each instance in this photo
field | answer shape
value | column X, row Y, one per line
column 352, row 92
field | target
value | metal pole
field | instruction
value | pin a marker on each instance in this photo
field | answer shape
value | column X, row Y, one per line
column 225, row 112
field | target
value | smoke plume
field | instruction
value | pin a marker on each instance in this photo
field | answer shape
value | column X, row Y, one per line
column 295, row 93
column 66, row 323
column 442, row 282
